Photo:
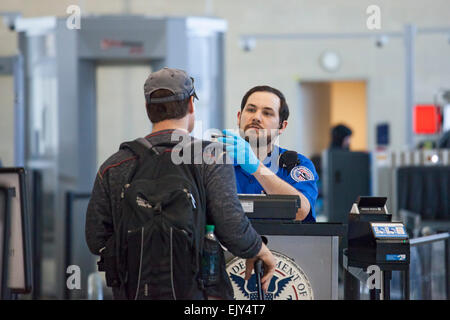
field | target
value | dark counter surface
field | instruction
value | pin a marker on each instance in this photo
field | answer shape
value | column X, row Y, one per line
column 297, row 228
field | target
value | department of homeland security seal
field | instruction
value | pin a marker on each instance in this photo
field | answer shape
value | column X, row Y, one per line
column 289, row 282
column 301, row 173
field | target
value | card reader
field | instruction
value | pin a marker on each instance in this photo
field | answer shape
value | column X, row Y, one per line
column 372, row 236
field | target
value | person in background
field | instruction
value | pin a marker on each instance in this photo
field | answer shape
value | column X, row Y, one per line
column 340, row 140
column 341, row 137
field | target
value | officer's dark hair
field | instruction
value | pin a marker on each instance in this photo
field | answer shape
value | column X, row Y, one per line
column 284, row 109
column 158, row 112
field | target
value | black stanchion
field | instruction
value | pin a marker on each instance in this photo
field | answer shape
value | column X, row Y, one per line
column 351, row 286
column 447, row 266
column 406, row 283
column 259, row 274
column 37, row 231
column 387, row 276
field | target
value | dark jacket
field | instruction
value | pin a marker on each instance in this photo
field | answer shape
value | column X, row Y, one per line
column 223, row 208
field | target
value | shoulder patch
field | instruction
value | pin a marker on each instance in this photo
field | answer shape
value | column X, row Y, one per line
column 301, row 173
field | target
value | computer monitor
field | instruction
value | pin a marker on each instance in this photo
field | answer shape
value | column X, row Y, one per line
column 14, row 228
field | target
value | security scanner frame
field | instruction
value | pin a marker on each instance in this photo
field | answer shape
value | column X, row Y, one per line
column 15, row 242
column 56, row 114
column 306, row 252
column 375, row 243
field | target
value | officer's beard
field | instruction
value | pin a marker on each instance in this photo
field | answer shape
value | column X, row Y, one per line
column 258, row 140
column 261, row 140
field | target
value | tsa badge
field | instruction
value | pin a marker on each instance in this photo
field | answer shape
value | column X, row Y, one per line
column 301, row 173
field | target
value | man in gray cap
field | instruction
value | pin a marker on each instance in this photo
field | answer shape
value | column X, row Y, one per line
column 169, row 95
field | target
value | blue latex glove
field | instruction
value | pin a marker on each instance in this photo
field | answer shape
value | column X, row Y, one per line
column 240, row 151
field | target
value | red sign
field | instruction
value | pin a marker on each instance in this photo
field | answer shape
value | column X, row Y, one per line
column 427, row 119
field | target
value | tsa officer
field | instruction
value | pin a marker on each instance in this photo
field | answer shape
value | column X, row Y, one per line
column 260, row 165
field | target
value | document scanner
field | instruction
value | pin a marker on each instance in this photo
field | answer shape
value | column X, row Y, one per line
column 270, row 206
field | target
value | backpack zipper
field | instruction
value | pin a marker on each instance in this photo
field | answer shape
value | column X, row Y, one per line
column 122, row 194
column 190, row 197
column 143, row 203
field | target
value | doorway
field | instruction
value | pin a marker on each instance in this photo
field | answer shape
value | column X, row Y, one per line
column 327, row 103
column 324, row 104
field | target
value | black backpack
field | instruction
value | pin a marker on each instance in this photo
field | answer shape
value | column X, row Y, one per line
column 162, row 227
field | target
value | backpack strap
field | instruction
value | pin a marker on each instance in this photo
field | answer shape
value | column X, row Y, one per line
column 147, row 144
column 139, row 147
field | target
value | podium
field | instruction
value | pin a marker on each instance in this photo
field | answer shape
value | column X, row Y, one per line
column 307, row 261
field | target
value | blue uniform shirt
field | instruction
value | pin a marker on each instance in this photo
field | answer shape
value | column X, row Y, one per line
column 303, row 177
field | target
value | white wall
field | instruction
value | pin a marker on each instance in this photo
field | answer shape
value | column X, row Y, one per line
column 283, row 63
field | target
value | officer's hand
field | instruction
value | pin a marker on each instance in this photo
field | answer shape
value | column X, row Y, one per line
column 240, row 151
column 269, row 266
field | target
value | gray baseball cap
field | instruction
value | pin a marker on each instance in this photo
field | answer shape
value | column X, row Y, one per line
column 175, row 80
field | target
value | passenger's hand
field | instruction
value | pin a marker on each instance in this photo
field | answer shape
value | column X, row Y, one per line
column 240, row 151
column 269, row 266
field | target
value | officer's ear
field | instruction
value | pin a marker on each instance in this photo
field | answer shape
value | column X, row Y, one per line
column 239, row 119
column 282, row 127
